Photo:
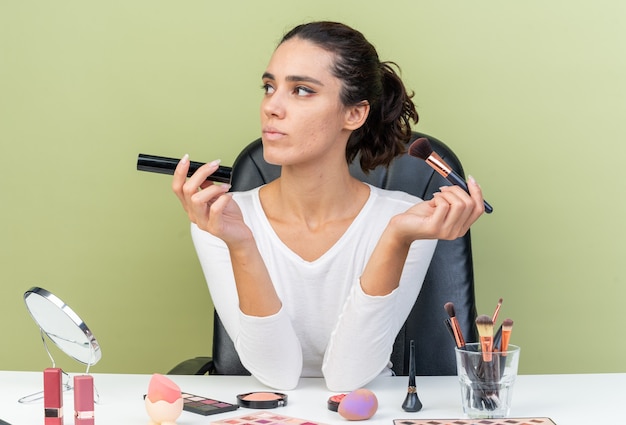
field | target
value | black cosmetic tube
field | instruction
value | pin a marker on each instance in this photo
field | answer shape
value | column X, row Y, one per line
column 164, row 165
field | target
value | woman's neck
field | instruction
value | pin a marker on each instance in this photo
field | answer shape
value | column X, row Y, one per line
column 314, row 196
column 311, row 214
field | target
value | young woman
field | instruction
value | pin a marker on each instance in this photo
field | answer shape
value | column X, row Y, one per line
column 315, row 273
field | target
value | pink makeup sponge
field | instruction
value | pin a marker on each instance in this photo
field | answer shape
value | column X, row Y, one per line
column 358, row 405
column 162, row 388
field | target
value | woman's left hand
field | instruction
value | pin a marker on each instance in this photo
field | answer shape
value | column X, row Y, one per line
column 447, row 216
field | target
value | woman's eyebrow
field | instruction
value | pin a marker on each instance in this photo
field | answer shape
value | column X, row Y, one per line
column 294, row 78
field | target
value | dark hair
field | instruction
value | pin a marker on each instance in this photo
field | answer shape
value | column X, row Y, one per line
column 387, row 129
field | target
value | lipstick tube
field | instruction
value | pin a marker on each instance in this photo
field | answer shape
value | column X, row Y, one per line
column 52, row 396
column 83, row 400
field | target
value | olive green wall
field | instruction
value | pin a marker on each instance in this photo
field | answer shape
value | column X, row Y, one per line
column 531, row 95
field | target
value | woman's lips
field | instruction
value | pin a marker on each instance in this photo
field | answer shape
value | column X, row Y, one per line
column 271, row 133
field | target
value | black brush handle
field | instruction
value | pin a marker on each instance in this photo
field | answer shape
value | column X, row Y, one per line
column 454, row 178
column 449, row 327
column 165, row 165
column 497, row 339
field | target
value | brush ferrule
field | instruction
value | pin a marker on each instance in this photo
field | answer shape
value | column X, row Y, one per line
column 435, row 161
column 456, row 328
column 486, row 345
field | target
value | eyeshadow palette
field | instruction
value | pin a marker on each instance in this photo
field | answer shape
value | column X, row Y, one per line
column 503, row 421
column 265, row 418
column 205, row 406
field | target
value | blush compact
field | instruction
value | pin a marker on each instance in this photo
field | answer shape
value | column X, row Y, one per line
column 262, row 400
column 333, row 402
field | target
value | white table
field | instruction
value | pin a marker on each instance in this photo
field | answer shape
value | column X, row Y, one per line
column 567, row 399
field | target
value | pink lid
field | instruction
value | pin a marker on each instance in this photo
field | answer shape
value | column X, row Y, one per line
column 52, row 394
column 83, row 393
column 162, row 388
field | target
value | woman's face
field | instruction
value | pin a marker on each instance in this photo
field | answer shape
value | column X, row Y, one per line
column 302, row 117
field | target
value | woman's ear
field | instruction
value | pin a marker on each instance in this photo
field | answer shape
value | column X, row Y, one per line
column 356, row 115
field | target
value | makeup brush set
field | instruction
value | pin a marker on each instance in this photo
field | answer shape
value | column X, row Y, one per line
column 483, row 364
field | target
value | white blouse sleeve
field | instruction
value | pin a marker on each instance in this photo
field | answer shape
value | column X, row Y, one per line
column 277, row 365
column 360, row 345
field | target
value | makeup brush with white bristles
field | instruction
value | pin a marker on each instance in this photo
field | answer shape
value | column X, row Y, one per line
column 489, row 370
column 421, row 148
column 484, row 324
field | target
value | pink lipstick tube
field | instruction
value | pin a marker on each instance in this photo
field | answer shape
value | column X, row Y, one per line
column 83, row 400
column 52, row 396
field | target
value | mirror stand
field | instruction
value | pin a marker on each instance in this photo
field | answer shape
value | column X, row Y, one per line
column 62, row 326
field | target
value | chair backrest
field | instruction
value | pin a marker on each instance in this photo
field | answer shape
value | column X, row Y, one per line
column 449, row 278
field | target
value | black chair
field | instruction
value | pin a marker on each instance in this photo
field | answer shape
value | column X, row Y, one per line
column 449, row 278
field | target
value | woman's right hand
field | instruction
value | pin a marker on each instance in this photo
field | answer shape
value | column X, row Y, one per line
column 207, row 204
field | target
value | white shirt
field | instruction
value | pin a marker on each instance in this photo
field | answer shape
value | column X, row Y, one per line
column 327, row 325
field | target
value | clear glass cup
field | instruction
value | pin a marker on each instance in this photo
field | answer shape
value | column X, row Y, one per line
column 486, row 380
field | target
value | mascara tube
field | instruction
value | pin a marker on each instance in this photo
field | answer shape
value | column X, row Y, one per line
column 165, row 165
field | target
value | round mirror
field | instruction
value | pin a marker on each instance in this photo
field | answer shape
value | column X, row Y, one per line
column 59, row 322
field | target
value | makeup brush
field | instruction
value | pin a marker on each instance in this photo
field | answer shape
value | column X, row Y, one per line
column 412, row 402
column 496, row 338
column 456, row 328
column 490, row 368
column 484, row 324
column 507, row 327
column 495, row 313
column 421, row 148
